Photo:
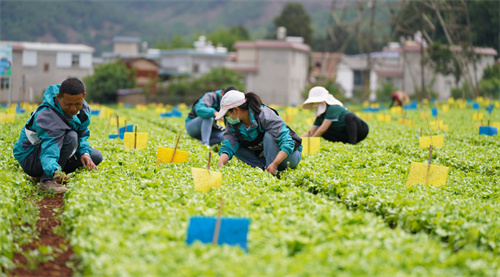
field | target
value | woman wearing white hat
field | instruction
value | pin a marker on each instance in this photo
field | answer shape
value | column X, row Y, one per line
column 256, row 134
column 333, row 122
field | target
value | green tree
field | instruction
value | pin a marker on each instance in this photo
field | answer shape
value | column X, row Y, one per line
column 183, row 89
column 296, row 21
column 227, row 37
column 489, row 85
column 107, row 79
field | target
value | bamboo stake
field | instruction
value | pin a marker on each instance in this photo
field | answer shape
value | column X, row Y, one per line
column 215, row 238
column 118, row 125
column 175, row 149
column 135, row 137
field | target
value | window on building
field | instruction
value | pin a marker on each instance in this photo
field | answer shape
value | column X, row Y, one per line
column 4, row 83
column 358, row 78
column 45, row 67
column 196, row 68
column 318, row 64
column 75, row 60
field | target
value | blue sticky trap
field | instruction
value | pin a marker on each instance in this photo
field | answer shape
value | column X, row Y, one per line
column 173, row 113
column 469, row 101
column 490, row 108
column 95, row 112
column 127, row 105
column 412, row 106
column 475, row 105
column 4, row 105
column 434, row 111
column 113, row 136
column 433, row 100
column 128, row 128
column 368, row 110
column 233, row 231
column 489, row 131
column 19, row 110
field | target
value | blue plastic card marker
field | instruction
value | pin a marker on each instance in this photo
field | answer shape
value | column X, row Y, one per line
column 434, row 111
column 489, row 131
column 475, row 106
column 128, row 128
column 95, row 112
column 233, row 231
column 219, row 230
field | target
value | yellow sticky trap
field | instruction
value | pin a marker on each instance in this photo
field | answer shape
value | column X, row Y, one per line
column 310, row 145
column 130, row 139
column 396, row 110
column 182, row 106
column 421, row 173
column 164, row 156
column 287, row 118
column 106, row 113
column 7, row 117
column 496, row 125
column 205, row 180
column 424, row 115
column 479, row 99
column 443, row 127
column 141, row 108
column 384, row 117
column 121, row 121
column 366, row 116
column 159, row 110
column 310, row 121
column 445, row 108
column 366, row 104
column 435, row 141
column 477, row 116
column 462, row 106
column 497, row 104
column 451, row 100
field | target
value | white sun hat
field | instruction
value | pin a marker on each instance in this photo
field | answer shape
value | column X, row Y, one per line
column 320, row 95
column 231, row 99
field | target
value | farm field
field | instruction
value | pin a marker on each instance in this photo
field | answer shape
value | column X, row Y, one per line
column 345, row 210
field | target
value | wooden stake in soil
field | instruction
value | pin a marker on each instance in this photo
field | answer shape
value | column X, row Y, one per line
column 218, row 222
column 135, row 136
column 175, row 148
column 118, row 126
column 209, row 159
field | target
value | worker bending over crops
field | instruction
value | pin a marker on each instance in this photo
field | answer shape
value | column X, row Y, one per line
column 334, row 122
column 54, row 140
column 256, row 134
column 200, row 123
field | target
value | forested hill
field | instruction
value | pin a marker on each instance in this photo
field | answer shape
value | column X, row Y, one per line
column 95, row 23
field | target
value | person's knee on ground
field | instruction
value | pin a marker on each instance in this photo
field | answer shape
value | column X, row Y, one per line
column 70, row 144
column 96, row 156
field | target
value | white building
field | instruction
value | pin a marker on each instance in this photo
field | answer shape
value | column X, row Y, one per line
column 37, row 65
column 276, row 70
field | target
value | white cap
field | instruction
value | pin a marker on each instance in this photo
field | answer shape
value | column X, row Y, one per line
column 231, row 99
column 320, row 95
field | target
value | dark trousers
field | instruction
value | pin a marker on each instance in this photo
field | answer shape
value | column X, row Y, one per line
column 356, row 130
column 68, row 159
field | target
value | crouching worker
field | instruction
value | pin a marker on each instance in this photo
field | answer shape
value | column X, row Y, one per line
column 54, row 140
column 333, row 121
column 200, row 123
column 256, row 134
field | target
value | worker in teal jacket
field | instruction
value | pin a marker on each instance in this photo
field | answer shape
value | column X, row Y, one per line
column 256, row 134
column 54, row 140
column 200, row 123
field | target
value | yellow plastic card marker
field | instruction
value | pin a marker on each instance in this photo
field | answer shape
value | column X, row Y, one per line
column 164, row 156
column 445, row 108
column 421, row 173
column 310, row 145
column 477, row 116
column 122, row 121
column 205, row 180
column 134, row 140
column 435, row 141
column 7, row 117
column 384, row 117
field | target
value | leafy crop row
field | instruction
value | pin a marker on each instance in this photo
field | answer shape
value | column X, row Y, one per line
column 130, row 217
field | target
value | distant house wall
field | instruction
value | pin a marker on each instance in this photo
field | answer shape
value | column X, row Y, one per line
column 35, row 66
column 279, row 72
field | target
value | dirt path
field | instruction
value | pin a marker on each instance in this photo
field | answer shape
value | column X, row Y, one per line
column 58, row 252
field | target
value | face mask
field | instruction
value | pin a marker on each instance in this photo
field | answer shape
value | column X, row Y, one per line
column 232, row 121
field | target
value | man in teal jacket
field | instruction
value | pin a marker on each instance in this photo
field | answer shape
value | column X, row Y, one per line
column 200, row 122
column 55, row 137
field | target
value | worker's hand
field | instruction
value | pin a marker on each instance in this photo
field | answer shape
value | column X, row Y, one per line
column 272, row 168
column 216, row 113
column 87, row 162
column 60, row 177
